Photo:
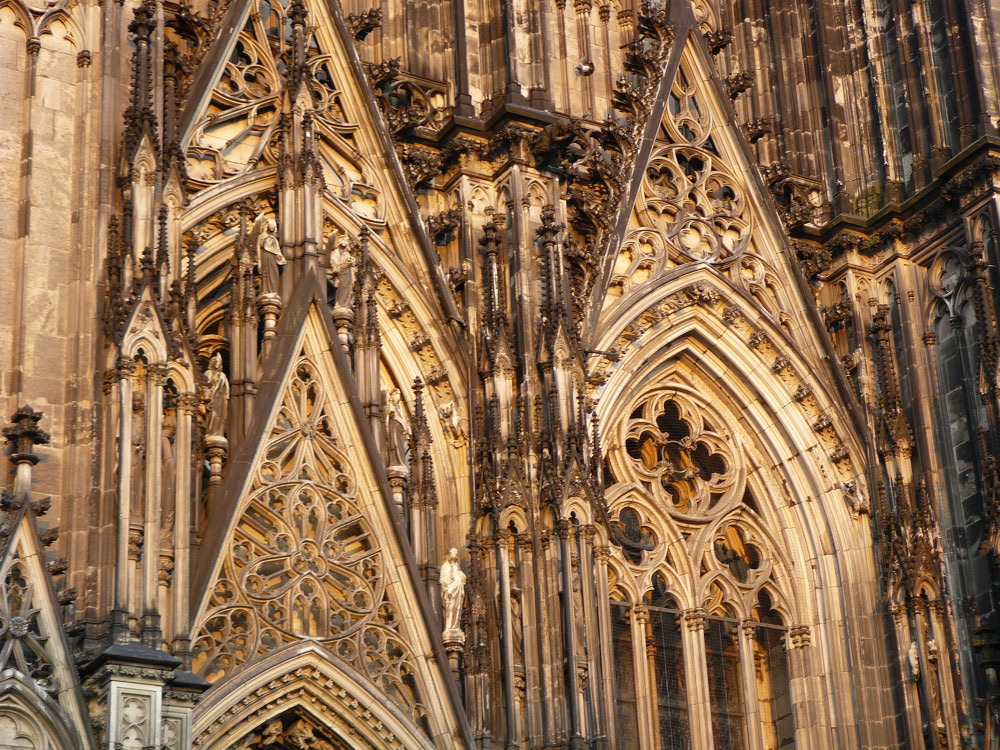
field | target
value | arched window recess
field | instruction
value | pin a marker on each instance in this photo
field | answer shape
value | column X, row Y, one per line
column 700, row 591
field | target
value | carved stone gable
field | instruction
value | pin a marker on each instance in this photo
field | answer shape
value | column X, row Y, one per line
column 311, row 555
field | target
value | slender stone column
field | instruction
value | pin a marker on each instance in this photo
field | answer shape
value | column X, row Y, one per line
column 502, row 547
column 120, row 613
column 187, row 404
column 696, row 674
column 748, row 673
column 643, row 677
column 605, row 677
column 152, row 500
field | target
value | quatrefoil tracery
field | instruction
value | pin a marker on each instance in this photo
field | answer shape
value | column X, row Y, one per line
column 680, row 460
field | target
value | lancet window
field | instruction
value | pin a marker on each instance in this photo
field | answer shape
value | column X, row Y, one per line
column 699, row 622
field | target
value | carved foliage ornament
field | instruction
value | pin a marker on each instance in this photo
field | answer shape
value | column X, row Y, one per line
column 304, row 563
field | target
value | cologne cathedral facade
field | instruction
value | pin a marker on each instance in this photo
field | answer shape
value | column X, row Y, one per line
column 500, row 374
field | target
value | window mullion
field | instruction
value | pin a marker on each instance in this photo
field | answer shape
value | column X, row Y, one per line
column 696, row 674
column 748, row 671
column 644, row 695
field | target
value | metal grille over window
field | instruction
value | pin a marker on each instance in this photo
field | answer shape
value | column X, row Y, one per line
column 671, row 692
column 722, row 652
column 625, row 702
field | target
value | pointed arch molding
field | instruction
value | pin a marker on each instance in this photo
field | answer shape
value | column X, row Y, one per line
column 47, row 704
column 359, row 114
column 304, row 676
column 758, row 363
column 699, row 208
column 698, row 336
column 303, row 551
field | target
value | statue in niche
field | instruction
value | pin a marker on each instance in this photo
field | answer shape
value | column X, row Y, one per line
column 913, row 657
column 934, row 688
column 516, row 613
column 397, row 434
column 217, row 394
column 578, row 611
column 341, row 268
column 452, row 593
column 270, row 258
column 168, row 473
column 138, row 452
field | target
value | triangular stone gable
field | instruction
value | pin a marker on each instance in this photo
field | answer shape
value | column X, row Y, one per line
column 37, row 672
column 144, row 321
column 231, row 127
column 309, row 552
column 701, row 202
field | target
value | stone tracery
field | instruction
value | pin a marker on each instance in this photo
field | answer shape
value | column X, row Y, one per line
column 701, row 572
column 305, row 563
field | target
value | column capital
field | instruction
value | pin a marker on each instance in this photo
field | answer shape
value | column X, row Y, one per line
column 695, row 618
column 800, row 636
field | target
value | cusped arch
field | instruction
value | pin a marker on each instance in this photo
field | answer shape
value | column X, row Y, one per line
column 21, row 15
column 513, row 514
column 576, row 506
column 715, row 590
column 37, row 722
column 678, row 584
column 73, row 34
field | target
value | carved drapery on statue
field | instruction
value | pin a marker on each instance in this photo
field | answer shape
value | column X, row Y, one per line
column 341, row 269
column 452, row 595
column 270, row 258
column 397, row 432
column 217, row 395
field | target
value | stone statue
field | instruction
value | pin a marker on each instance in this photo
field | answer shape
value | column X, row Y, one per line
column 579, row 615
column 516, row 614
column 397, row 435
column 855, row 498
column 452, row 593
column 269, row 256
column 341, row 267
column 217, row 388
column 168, row 471
column 451, row 419
column 138, row 452
column 913, row 657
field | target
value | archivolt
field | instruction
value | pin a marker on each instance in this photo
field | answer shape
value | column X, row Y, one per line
column 307, row 676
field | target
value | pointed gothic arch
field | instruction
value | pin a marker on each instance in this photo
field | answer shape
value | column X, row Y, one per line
column 29, row 721
column 796, row 471
column 304, row 676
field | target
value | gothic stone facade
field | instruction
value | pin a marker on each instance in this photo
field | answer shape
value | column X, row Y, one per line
column 500, row 374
